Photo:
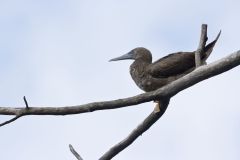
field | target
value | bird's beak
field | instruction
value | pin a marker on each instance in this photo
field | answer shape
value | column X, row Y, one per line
column 123, row 57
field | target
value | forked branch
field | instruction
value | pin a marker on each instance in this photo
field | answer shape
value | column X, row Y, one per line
column 163, row 94
column 198, row 75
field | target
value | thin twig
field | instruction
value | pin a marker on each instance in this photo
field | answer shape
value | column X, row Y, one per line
column 141, row 128
column 11, row 120
column 201, row 46
column 75, row 153
column 26, row 103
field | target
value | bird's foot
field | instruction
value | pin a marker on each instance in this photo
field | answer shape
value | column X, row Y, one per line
column 157, row 107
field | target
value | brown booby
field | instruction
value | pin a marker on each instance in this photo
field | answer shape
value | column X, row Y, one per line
column 150, row 76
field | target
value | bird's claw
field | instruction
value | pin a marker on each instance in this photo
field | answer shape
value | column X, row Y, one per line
column 157, row 107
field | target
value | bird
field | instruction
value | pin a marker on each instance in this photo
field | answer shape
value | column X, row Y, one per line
column 150, row 76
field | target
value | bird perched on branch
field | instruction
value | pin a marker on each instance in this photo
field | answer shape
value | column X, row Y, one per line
column 150, row 76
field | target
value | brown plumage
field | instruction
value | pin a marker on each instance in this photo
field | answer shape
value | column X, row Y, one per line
column 150, row 76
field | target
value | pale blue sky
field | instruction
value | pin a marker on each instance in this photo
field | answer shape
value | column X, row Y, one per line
column 56, row 54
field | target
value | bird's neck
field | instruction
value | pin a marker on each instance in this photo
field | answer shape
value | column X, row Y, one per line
column 139, row 74
column 138, row 68
column 140, row 64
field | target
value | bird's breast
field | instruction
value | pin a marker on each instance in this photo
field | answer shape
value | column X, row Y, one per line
column 141, row 78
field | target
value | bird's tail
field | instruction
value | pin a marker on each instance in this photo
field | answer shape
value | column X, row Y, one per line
column 209, row 48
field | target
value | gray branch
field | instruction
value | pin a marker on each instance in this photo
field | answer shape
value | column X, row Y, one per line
column 141, row 128
column 75, row 153
column 198, row 75
column 201, row 46
column 171, row 90
column 166, row 92
column 162, row 94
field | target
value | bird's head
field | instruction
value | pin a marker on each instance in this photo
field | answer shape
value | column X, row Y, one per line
column 135, row 54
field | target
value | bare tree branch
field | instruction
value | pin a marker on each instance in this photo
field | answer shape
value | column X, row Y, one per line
column 75, row 153
column 11, row 120
column 198, row 75
column 162, row 95
column 201, row 46
column 141, row 128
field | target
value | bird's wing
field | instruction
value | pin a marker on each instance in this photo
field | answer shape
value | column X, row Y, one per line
column 178, row 63
column 172, row 64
